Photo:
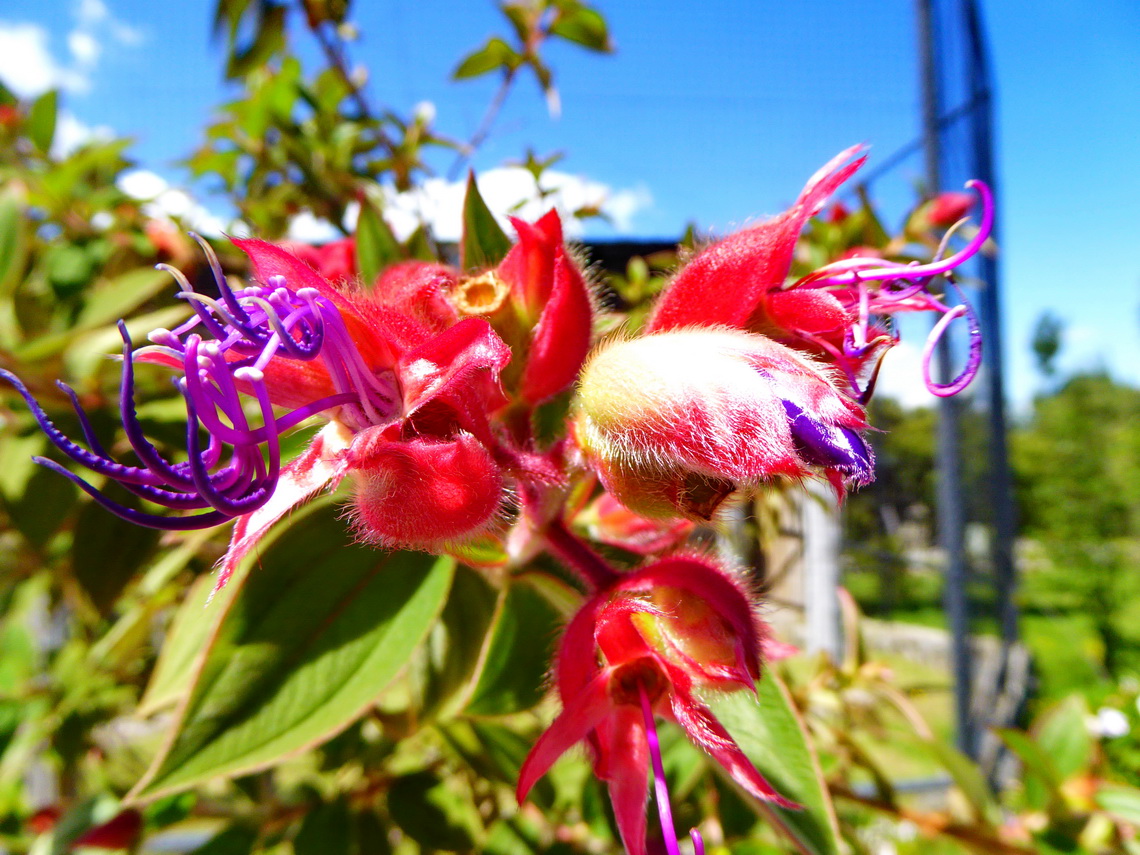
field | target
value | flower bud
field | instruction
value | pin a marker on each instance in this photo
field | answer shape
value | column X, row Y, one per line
column 676, row 421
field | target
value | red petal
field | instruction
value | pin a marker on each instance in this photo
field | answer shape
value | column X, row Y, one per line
column 320, row 464
column 423, row 493
column 459, row 367
column 581, row 715
column 810, row 310
column 577, row 661
column 529, row 266
column 561, row 339
column 708, row 733
column 626, row 770
column 728, row 283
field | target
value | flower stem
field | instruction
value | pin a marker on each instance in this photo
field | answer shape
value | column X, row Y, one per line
column 660, row 787
column 572, row 551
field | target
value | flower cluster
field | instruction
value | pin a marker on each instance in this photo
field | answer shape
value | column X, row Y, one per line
column 429, row 380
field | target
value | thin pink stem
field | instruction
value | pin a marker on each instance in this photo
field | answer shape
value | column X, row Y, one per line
column 573, row 552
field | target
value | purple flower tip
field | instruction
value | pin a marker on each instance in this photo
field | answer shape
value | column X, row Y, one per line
column 831, row 446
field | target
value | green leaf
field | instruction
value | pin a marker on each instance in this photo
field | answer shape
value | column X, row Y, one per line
column 457, row 642
column 433, row 813
column 314, row 632
column 495, row 54
column 233, row 840
column 376, row 246
column 41, row 120
column 13, row 244
column 1120, row 801
column 967, row 777
column 518, row 656
column 484, row 243
column 770, row 732
column 37, row 500
column 1039, row 774
column 185, row 642
column 326, row 830
column 120, row 296
column 106, row 552
column 585, row 27
column 1063, row 737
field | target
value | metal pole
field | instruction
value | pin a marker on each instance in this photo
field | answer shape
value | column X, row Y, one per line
column 951, row 510
column 821, row 532
column 989, row 305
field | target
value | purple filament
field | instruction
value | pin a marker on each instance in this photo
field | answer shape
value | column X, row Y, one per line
column 868, row 287
column 660, row 787
column 223, row 351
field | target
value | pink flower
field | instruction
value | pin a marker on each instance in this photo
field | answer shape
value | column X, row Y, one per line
column 676, row 421
column 655, row 639
column 741, row 283
column 408, row 389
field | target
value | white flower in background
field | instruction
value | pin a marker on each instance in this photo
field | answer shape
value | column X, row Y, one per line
column 1108, row 723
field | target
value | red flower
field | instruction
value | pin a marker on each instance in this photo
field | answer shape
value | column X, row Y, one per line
column 741, row 282
column 948, row 208
column 665, row 632
column 120, row 832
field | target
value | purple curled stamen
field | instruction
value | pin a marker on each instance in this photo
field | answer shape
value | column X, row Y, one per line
column 842, row 272
column 973, row 360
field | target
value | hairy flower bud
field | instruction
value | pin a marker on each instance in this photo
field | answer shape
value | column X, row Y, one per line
column 676, row 421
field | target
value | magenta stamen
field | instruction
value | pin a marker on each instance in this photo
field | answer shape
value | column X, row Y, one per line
column 660, row 786
column 973, row 361
column 891, row 272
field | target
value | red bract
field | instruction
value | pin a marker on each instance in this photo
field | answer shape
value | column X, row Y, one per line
column 732, row 280
column 668, row 631
column 674, row 422
column 550, row 295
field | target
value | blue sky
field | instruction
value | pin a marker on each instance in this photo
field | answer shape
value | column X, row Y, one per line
column 712, row 113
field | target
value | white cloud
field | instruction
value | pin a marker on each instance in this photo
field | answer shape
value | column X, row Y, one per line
column 29, row 67
column 309, row 229
column 440, row 202
column 164, row 201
